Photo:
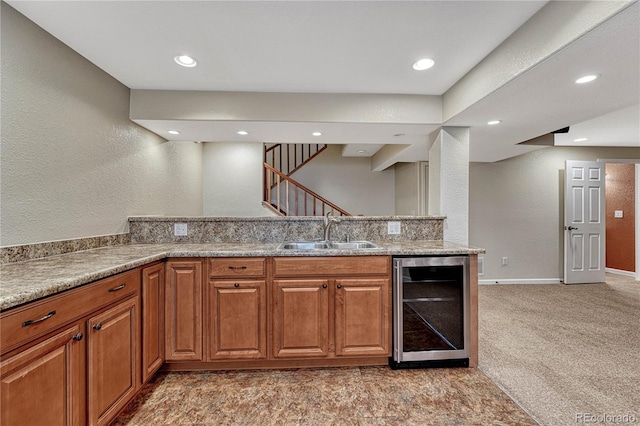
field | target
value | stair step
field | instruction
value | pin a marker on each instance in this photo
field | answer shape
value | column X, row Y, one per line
column 275, row 177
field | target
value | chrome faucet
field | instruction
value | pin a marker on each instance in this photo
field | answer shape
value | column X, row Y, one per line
column 329, row 220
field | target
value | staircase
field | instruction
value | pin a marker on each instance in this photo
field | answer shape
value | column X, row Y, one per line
column 283, row 194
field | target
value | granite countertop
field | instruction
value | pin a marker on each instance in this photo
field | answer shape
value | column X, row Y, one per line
column 24, row 282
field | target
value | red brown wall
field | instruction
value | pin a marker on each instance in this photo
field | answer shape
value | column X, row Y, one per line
column 620, row 195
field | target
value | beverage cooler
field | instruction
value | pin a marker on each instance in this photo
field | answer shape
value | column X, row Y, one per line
column 430, row 312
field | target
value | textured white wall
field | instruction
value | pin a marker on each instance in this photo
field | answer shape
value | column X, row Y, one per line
column 449, row 182
column 435, row 166
column 406, row 188
column 232, row 179
column 72, row 163
column 516, row 210
column 349, row 183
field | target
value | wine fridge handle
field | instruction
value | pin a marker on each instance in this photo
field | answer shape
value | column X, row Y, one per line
column 397, row 310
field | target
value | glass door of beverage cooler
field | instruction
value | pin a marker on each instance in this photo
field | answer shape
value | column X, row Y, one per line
column 431, row 308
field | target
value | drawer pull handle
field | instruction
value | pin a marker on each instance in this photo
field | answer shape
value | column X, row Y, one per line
column 324, row 286
column 78, row 337
column 237, row 267
column 35, row 321
column 339, row 286
column 236, row 285
column 97, row 326
column 120, row 287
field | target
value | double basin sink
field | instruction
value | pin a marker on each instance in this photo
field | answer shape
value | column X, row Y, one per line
column 325, row 245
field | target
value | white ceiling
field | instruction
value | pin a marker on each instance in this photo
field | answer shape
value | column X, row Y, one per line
column 621, row 126
column 355, row 47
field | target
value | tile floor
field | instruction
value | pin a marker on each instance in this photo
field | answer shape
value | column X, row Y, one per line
column 330, row 396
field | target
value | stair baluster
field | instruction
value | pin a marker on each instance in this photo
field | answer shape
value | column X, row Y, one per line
column 285, row 201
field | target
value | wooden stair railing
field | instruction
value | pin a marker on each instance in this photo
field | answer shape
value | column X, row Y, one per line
column 289, row 157
column 287, row 197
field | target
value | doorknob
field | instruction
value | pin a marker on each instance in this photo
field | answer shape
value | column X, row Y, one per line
column 571, row 228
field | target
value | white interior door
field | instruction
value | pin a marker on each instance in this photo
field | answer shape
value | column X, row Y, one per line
column 584, row 222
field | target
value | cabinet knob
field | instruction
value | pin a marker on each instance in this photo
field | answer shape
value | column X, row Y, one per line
column 339, row 286
column 78, row 337
column 324, row 286
column 236, row 285
column 97, row 326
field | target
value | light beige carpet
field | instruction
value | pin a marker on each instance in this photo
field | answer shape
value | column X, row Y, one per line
column 567, row 354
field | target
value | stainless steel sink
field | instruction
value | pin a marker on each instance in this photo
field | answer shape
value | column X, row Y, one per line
column 304, row 245
column 354, row 245
column 324, row 245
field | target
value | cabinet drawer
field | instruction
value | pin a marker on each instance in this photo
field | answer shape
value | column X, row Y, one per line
column 325, row 266
column 38, row 318
column 237, row 267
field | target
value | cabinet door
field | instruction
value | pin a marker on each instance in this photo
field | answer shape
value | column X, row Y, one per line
column 237, row 320
column 363, row 316
column 43, row 384
column 112, row 360
column 183, row 311
column 152, row 320
column 301, row 318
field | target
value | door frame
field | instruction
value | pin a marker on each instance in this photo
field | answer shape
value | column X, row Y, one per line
column 423, row 188
column 635, row 161
column 587, row 221
column 637, row 221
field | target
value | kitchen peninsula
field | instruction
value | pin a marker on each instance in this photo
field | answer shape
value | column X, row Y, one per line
column 226, row 295
column 29, row 274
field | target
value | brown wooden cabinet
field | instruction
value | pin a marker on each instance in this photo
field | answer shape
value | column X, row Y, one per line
column 183, row 310
column 362, row 317
column 152, row 319
column 78, row 357
column 236, row 313
column 237, row 326
column 112, row 360
column 334, row 307
column 56, row 368
column 45, row 383
column 301, row 318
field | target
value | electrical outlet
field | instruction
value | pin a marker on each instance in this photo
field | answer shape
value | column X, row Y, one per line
column 393, row 228
column 505, row 261
column 618, row 214
column 180, row 229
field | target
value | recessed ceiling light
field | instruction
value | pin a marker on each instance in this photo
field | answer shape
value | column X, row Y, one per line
column 185, row 61
column 316, row 134
column 398, row 135
column 362, row 151
column 494, row 122
column 586, row 79
column 423, row 64
column 174, row 132
column 242, row 132
column 580, row 140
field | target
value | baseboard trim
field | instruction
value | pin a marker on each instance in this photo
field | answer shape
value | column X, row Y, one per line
column 621, row 272
column 522, row 281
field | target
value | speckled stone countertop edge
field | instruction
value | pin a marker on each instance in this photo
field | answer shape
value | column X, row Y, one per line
column 25, row 282
column 36, row 288
column 272, row 218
